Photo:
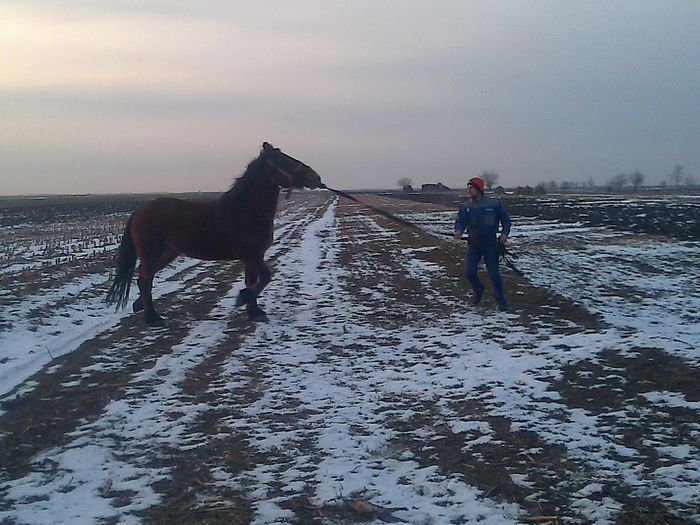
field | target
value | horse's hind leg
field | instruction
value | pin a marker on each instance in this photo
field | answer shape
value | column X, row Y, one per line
column 145, row 282
column 138, row 305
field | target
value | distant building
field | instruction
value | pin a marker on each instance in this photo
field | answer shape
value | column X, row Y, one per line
column 527, row 190
column 499, row 190
column 434, row 187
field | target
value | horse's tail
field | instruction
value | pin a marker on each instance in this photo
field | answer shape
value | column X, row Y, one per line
column 126, row 262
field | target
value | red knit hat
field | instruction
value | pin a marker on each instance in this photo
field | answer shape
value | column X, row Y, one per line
column 477, row 182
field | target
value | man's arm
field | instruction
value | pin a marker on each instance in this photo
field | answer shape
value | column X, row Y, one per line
column 461, row 222
column 505, row 223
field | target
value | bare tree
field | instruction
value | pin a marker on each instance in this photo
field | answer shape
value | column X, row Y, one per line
column 405, row 182
column 676, row 174
column 490, row 178
column 618, row 181
column 636, row 179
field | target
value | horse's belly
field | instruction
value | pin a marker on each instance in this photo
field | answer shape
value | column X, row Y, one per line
column 210, row 252
column 221, row 250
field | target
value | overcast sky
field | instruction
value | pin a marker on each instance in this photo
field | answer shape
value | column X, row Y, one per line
column 167, row 96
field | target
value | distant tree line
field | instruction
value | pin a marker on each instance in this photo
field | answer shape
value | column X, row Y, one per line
column 635, row 179
column 619, row 182
column 566, row 185
column 677, row 176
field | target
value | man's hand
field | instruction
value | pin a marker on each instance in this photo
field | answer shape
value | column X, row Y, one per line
column 503, row 238
column 458, row 236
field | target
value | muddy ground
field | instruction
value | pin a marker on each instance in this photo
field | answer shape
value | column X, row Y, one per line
column 72, row 394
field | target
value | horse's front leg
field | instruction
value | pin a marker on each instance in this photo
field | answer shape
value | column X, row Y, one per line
column 251, row 278
column 258, row 276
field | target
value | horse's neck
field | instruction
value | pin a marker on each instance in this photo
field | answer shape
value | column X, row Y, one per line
column 259, row 200
column 265, row 199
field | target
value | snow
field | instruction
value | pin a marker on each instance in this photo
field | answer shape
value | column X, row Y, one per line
column 30, row 346
column 671, row 399
column 660, row 307
column 320, row 355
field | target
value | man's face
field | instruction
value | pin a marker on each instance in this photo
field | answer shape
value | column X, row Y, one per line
column 473, row 191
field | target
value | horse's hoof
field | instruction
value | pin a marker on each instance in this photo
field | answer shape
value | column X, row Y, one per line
column 259, row 317
column 154, row 320
column 138, row 306
column 244, row 297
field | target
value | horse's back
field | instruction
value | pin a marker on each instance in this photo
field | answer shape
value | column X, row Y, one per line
column 194, row 228
column 169, row 223
column 164, row 213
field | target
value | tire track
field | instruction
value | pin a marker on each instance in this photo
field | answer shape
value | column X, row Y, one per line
column 219, row 450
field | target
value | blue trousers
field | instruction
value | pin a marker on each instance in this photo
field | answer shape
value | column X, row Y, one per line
column 489, row 252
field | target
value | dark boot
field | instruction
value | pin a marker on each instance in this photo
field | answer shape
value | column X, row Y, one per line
column 476, row 298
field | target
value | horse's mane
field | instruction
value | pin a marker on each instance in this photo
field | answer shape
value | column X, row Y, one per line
column 239, row 191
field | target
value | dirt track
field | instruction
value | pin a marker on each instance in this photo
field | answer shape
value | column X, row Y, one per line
column 374, row 392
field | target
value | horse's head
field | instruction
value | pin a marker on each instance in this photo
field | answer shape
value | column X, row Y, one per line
column 287, row 171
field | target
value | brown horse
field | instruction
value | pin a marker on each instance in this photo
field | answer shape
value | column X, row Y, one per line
column 237, row 226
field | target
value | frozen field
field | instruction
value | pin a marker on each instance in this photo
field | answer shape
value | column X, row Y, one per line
column 375, row 392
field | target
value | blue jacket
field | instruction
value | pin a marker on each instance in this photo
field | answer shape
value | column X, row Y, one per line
column 480, row 218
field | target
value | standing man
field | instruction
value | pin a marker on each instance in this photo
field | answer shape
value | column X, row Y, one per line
column 480, row 216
